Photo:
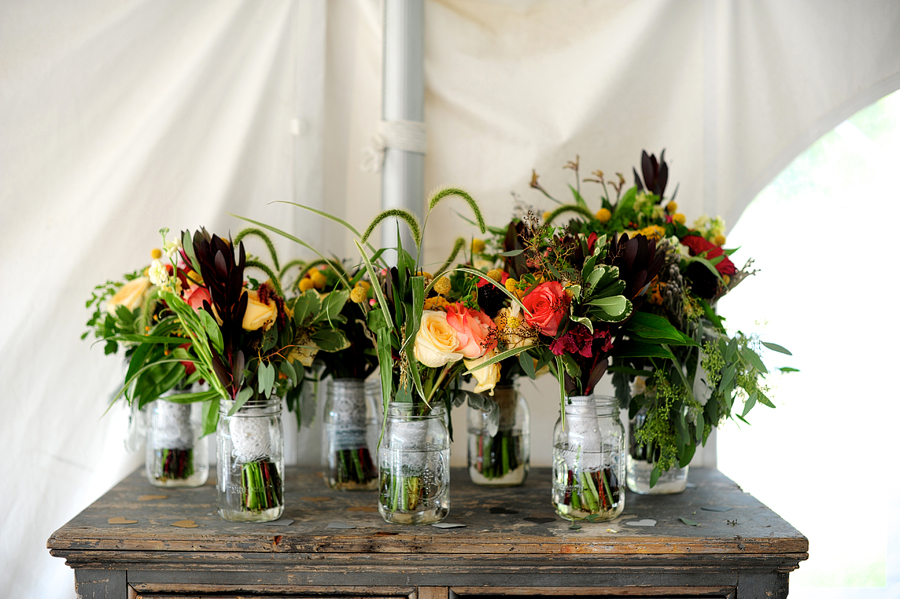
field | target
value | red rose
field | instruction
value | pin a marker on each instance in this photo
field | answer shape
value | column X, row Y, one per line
column 700, row 246
column 547, row 303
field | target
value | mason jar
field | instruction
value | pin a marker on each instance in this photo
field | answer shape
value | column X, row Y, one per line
column 641, row 460
column 589, row 459
column 503, row 459
column 250, row 452
column 176, row 455
column 352, row 427
column 414, row 465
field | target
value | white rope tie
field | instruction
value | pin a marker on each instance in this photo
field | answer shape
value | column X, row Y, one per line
column 408, row 136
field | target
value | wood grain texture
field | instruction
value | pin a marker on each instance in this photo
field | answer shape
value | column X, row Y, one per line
column 512, row 544
column 758, row 530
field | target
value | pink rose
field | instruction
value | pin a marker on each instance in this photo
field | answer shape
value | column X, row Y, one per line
column 547, row 303
column 473, row 330
column 195, row 295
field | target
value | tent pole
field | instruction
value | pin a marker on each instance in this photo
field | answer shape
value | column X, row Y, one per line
column 403, row 79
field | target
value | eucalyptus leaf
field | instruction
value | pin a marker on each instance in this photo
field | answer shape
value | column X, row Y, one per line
column 751, row 401
column 527, row 364
column 776, row 347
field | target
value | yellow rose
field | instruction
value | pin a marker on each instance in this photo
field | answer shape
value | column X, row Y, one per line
column 258, row 314
column 131, row 295
column 488, row 376
column 436, row 340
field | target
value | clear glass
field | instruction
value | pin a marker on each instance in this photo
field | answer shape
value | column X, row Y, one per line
column 414, row 466
column 352, row 426
column 502, row 460
column 176, row 455
column 250, row 452
column 639, row 465
column 589, row 460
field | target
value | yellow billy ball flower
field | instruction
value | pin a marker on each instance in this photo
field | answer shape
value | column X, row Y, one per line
column 358, row 295
column 495, row 274
column 364, row 284
column 442, row 286
column 477, row 246
column 679, row 218
column 603, row 215
column 671, row 207
column 318, row 279
column 719, row 239
column 156, row 253
column 305, row 284
column 511, row 285
column 547, row 215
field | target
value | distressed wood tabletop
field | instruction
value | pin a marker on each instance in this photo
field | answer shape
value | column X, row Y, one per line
column 498, row 521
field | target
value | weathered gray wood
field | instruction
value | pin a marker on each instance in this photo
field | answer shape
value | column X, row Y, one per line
column 512, row 541
column 100, row 584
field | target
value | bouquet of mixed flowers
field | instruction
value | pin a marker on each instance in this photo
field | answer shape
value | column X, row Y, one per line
column 428, row 329
column 351, row 420
column 577, row 290
column 687, row 369
column 242, row 336
column 130, row 315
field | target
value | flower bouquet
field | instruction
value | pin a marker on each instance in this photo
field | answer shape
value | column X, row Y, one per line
column 577, row 291
column 676, row 367
column 351, row 419
column 252, row 345
column 129, row 314
column 429, row 329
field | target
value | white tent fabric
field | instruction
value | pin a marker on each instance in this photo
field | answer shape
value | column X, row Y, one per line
column 118, row 118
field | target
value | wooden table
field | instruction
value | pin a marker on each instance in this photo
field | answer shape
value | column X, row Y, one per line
column 512, row 544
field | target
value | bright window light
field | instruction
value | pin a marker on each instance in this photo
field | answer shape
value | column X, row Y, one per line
column 826, row 459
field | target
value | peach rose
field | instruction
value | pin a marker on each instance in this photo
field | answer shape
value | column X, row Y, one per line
column 547, row 303
column 487, row 377
column 436, row 342
column 131, row 295
column 258, row 314
column 473, row 329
